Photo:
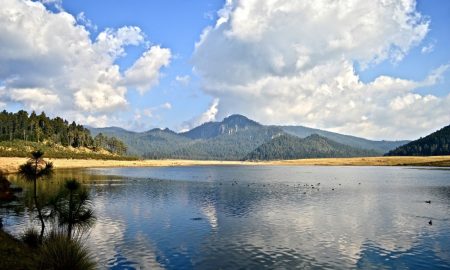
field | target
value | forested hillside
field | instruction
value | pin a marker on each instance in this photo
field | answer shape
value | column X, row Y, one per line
column 233, row 138
column 314, row 146
column 435, row 144
column 22, row 129
column 381, row 147
column 228, row 146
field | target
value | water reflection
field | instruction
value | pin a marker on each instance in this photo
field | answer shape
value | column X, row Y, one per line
column 265, row 217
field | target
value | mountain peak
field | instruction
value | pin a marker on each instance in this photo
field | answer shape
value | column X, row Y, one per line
column 230, row 125
column 239, row 120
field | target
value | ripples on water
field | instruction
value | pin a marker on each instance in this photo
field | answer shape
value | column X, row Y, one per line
column 268, row 217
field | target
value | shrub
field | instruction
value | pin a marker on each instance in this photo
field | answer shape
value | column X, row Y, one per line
column 31, row 237
column 60, row 252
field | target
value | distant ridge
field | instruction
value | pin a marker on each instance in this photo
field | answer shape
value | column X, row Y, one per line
column 314, row 146
column 233, row 138
column 381, row 147
column 435, row 144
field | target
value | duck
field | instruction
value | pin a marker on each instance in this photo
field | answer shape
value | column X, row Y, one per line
column 428, row 201
column 430, row 222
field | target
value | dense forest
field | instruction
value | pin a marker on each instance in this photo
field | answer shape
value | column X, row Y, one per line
column 314, row 146
column 42, row 129
column 435, row 144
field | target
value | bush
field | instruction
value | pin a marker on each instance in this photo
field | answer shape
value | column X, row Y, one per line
column 31, row 237
column 60, row 252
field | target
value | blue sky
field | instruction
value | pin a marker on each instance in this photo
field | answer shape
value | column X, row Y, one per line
column 375, row 70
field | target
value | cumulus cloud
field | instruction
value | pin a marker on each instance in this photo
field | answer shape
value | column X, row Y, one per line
column 34, row 97
column 145, row 71
column 82, row 19
column 209, row 115
column 293, row 62
column 49, row 61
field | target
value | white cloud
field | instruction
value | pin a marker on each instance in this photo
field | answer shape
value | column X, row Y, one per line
column 34, row 98
column 56, row 3
column 166, row 106
column 183, row 80
column 145, row 72
column 48, row 61
column 292, row 62
column 209, row 115
column 113, row 41
column 82, row 19
column 428, row 48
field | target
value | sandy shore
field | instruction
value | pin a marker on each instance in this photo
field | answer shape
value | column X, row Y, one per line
column 11, row 164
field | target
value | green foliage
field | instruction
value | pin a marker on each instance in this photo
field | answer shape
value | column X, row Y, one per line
column 31, row 237
column 435, row 144
column 15, row 255
column 314, row 146
column 34, row 169
column 19, row 148
column 112, row 144
column 60, row 252
column 72, row 208
column 40, row 128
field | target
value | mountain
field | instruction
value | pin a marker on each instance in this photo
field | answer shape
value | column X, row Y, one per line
column 230, row 145
column 229, row 126
column 435, row 144
column 314, row 146
column 155, row 143
column 380, row 147
column 231, row 139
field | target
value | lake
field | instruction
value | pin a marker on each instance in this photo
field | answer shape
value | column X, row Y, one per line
column 245, row 217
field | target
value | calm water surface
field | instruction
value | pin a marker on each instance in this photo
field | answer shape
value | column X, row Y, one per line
column 266, row 217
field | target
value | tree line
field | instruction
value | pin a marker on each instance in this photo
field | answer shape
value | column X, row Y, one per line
column 435, row 144
column 40, row 128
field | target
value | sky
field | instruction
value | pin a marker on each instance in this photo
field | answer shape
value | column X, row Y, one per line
column 375, row 69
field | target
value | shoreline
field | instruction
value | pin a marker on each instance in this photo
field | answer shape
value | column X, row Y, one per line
column 11, row 164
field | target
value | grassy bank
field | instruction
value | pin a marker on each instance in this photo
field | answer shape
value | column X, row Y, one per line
column 11, row 164
column 20, row 148
column 15, row 254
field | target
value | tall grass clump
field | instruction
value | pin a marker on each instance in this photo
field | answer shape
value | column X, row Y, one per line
column 31, row 237
column 60, row 252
